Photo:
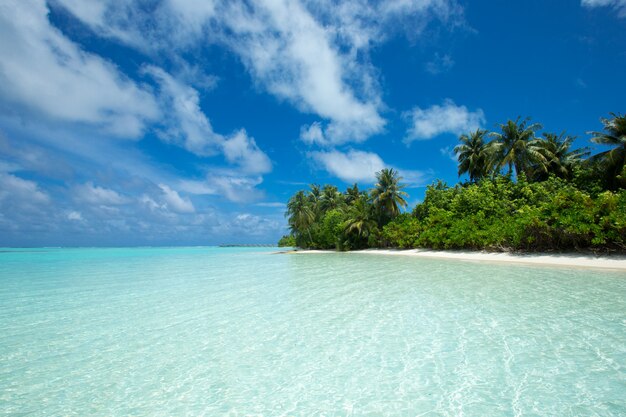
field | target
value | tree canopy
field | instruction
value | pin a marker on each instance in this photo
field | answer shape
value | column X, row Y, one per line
column 525, row 192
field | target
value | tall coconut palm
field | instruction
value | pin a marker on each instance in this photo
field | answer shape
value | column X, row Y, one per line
column 315, row 196
column 300, row 215
column 352, row 194
column 387, row 194
column 516, row 146
column 360, row 218
column 331, row 198
column 613, row 161
column 560, row 159
column 473, row 155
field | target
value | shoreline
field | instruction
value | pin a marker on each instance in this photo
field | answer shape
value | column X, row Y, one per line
column 573, row 260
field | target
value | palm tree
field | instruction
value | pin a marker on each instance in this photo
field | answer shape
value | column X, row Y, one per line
column 560, row 158
column 352, row 194
column 360, row 218
column 473, row 155
column 300, row 214
column 516, row 146
column 331, row 198
column 613, row 161
column 314, row 196
column 387, row 194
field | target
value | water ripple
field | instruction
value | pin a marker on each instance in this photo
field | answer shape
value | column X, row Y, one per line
column 206, row 331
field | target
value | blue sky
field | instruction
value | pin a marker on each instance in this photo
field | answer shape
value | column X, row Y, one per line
column 173, row 122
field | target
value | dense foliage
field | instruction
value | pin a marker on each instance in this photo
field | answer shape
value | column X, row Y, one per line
column 287, row 241
column 524, row 193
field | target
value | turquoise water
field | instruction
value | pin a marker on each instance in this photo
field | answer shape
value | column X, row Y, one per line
column 244, row 332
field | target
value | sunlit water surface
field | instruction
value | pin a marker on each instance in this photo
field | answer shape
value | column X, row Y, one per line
column 210, row 331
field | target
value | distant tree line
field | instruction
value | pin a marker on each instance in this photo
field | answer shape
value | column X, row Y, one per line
column 525, row 192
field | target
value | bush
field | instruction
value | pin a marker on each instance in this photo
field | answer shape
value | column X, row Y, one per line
column 287, row 241
column 501, row 214
column 401, row 232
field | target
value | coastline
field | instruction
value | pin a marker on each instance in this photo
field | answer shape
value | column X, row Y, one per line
column 574, row 260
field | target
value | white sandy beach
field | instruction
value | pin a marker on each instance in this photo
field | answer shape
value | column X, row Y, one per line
column 561, row 260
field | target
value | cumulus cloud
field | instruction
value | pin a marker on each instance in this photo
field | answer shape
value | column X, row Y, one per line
column 237, row 188
column 360, row 166
column 242, row 150
column 313, row 134
column 353, row 166
column 271, row 204
column 293, row 56
column 75, row 215
column 253, row 224
column 175, row 201
column 190, row 128
column 125, row 206
column 23, row 208
column 313, row 54
column 188, row 125
column 228, row 184
column 439, row 119
column 43, row 71
column 24, row 191
column 618, row 5
column 82, row 88
column 167, row 24
column 94, row 194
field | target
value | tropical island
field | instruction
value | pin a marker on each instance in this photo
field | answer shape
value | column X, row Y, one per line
column 524, row 192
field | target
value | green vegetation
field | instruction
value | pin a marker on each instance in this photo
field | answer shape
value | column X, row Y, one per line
column 524, row 193
column 287, row 241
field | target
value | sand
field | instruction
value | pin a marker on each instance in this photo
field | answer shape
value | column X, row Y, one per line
column 575, row 260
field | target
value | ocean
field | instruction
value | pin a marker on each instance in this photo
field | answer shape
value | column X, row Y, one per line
column 207, row 331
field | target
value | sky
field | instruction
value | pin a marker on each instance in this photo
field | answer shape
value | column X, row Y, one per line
column 192, row 122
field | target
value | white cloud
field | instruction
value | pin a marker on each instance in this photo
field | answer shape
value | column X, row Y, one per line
column 83, row 88
column 6, row 166
column 313, row 54
column 21, row 190
column 125, row 207
column 242, row 150
column 313, row 134
column 237, row 188
column 45, row 72
column 175, row 201
column 94, row 194
column 293, row 56
column 190, row 128
column 248, row 224
column 197, row 187
column 75, row 216
column 353, row 166
column 228, row 184
column 447, row 118
column 271, row 204
column 24, row 208
column 360, row 166
column 618, row 5
column 168, row 24
column 415, row 178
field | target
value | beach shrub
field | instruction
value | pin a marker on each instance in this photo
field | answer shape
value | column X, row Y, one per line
column 287, row 241
column 330, row 231
column 401, row 232
column 499, row 214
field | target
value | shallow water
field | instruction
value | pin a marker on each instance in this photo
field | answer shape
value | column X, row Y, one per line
column 221, row 331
